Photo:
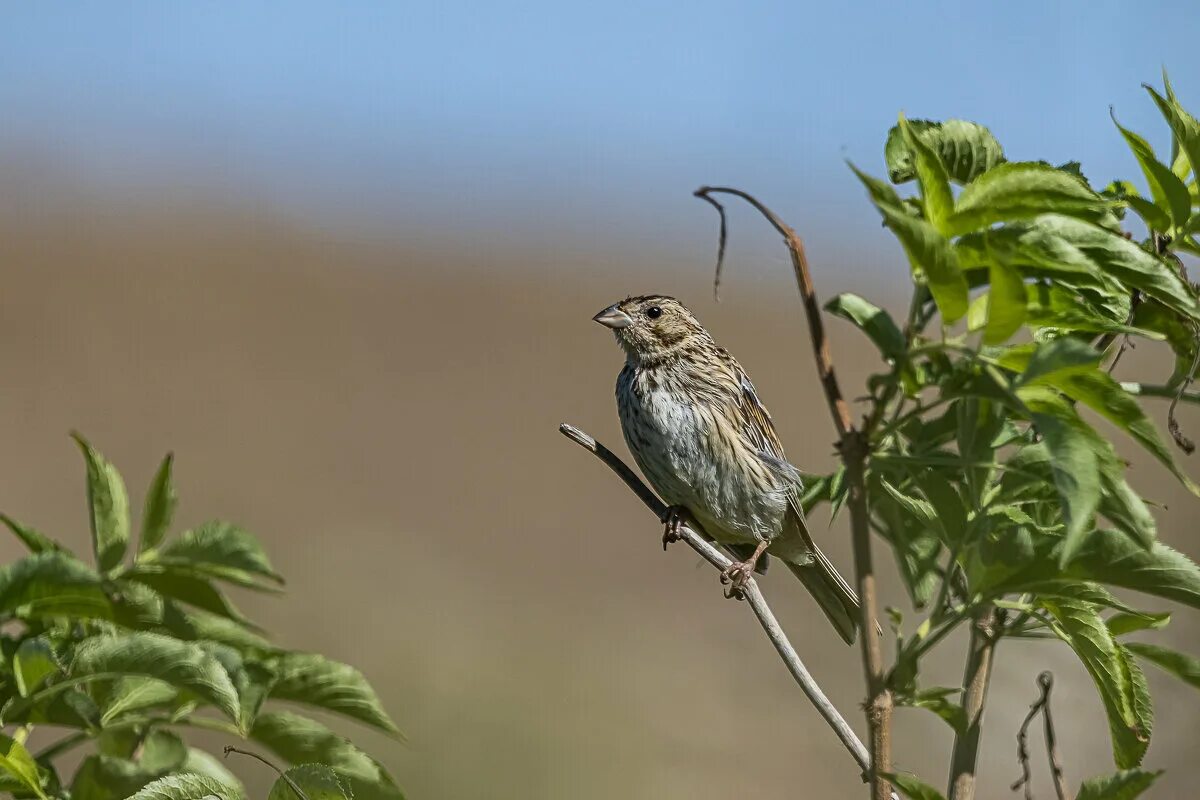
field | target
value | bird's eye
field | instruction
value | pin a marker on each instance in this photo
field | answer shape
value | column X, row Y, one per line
column 653, row 312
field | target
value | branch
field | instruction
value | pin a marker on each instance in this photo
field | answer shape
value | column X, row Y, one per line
column 1045, row 682
column 698, row 542
column 854, row 450
column 984, row 634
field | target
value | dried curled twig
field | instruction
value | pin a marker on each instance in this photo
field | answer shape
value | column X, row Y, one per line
column 1045, row 682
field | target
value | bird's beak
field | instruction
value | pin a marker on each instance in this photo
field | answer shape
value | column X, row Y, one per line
column 613, row 317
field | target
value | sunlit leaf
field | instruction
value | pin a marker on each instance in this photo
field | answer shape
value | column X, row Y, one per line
column 1169, row 192
column 967, row 149
column 1127, row 784
column 1023, row 190
column 187, row 786
column 160, row 507
column 1184, row 667
column 314, row 680
column 17, row 762
column 932, row 178
column 876, row 323
column 108, row 506
column 33, row 663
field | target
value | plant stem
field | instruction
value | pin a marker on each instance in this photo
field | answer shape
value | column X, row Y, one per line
column 978, row 673
column 854, row 450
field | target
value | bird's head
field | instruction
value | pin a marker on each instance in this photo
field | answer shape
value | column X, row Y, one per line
column 651, row 326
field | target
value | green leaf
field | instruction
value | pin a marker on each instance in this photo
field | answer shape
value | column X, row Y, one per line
column 202, row 763
column 1096, row 389
column 299, row 739
column 928, row 252
column 1023, row 190
column 1074, row 463
column 876, row 323
column 1080, row 626
column 317, row 781
column 219, row 550
column 191, row 589
column 1051, row 305
column 192, row 625
column 1040, row 362
column 103, row 777
column 935, row 700
column 1123, row 623
column 912, row 787
column 1183, row 125
column 108, row 504
column 136, row 693
column 160, row 507
column 16, row 761
column 1184, row 667
column 162, row 752
column 187, row 786
column 51, row 584
column 934, row 182
column 1006, row 302
column 314, row 680
column 35, row 541
column 1124, row 785
column 1169, row 192
column 966, row 149
column 183, row 665
column 33, row 663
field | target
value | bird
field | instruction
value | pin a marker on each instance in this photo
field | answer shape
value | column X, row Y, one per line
column 706, row 443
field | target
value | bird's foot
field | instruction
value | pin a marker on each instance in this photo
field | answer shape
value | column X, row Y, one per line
column 740, row 573
column 673, row 519
column 735, row 577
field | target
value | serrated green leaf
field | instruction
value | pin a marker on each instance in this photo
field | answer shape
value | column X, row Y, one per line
column 967, row 149
column 1074, row 461
column 298, row 739
column 162, row 752
column 1080, row 626
column 202, row 763
column 187, row 786
column 317, row 781
column 33, row 663
column 183, row 665
column 103, row 777
column 1183, row 125
column 36, row 542
column 1169, row 192
column 932, row 178
column 17, row 762
column 1123, row 623
column 1184, row 667
column 876, row 323
column 193, row 589
column 929, row 253
column 160, row 507
column 1017, row 191
column 219, row 550
column 1055, row 306
column 314, row 680
column 912, row 787
column 135, row 693
column 1124, row 785
column 52, row 584
column 108, row 506
column 1006, row 302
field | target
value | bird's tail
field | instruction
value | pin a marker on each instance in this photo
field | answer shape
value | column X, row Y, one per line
column 832, row 593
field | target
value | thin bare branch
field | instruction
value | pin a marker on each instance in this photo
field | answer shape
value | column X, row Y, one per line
column 854, row 449
column 1045, row 683
column 766, row 618
column 295, row 787
column 722, row 238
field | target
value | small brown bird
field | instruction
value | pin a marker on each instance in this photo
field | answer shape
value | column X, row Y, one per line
column 707, row 445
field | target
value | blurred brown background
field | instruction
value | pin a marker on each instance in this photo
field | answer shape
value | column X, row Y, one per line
column 342, row 259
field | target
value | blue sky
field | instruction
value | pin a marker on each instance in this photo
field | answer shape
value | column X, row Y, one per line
column 564, row 119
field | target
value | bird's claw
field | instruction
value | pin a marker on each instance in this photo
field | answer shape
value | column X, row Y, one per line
column 736, row 576
column 673, row 521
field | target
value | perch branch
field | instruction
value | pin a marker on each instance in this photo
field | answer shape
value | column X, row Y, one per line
column 854, row 450
column 1045, row 682
column 758, row 603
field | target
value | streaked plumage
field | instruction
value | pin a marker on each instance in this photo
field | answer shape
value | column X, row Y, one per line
column 705, row 442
